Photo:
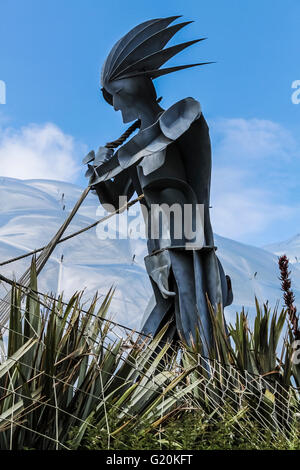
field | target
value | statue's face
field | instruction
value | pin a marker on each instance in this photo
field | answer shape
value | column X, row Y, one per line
column 129, row 93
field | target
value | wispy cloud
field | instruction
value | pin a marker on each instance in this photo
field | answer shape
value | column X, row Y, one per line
column 38, row 151
column 250, row 194
column 254, row 139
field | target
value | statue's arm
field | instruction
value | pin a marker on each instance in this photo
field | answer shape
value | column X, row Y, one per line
column 114, row 184
column 110, row 191
column 195, row 147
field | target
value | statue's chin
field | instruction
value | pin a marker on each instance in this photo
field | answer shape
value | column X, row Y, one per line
column 128, row 117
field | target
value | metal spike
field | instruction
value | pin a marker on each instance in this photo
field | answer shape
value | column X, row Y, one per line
column 156, row 60
column 158, row 73
column 154, row 43
column 138, row 34
column 124, row 40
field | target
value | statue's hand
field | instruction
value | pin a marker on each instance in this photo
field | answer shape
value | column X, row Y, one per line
column 89, row 157
column 163, row 286
column 96, row 160
column 103, row 155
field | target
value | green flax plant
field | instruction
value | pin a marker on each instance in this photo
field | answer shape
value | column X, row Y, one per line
column 63, row 368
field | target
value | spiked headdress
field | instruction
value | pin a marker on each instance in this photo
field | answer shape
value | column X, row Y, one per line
column 141, row 52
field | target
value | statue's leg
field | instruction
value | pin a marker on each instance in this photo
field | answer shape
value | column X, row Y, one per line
column 189, row 278
column 192, row 312
column 157, row 312
column 200, row 285
column 194, row 276
column 161, row 312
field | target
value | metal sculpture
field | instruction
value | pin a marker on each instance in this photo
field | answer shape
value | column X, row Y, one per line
column 169, row 161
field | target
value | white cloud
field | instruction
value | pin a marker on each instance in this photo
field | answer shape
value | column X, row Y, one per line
column 244, row 139
column 38, row 152
column 249, row 157
column 240, row 211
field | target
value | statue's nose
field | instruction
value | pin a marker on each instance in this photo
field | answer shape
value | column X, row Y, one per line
column 116, row 103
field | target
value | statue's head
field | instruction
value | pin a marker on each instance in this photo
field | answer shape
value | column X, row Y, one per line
column 129, row 95
column 135, row 60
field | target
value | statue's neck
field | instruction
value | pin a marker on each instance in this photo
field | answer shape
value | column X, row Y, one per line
column 148, row 113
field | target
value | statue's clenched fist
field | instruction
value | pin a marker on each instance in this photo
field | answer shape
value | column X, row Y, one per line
column 93, row 161
column 103, row 155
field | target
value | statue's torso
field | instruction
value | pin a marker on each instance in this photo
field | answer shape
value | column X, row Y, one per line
column 172, row 167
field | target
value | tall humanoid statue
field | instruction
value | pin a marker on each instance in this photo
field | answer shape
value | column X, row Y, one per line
column 169, row 160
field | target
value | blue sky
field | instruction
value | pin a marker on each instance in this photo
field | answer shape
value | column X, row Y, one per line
column 51, row 56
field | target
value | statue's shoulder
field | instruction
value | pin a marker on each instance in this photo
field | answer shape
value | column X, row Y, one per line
column 177, row 119
column 171, row 125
